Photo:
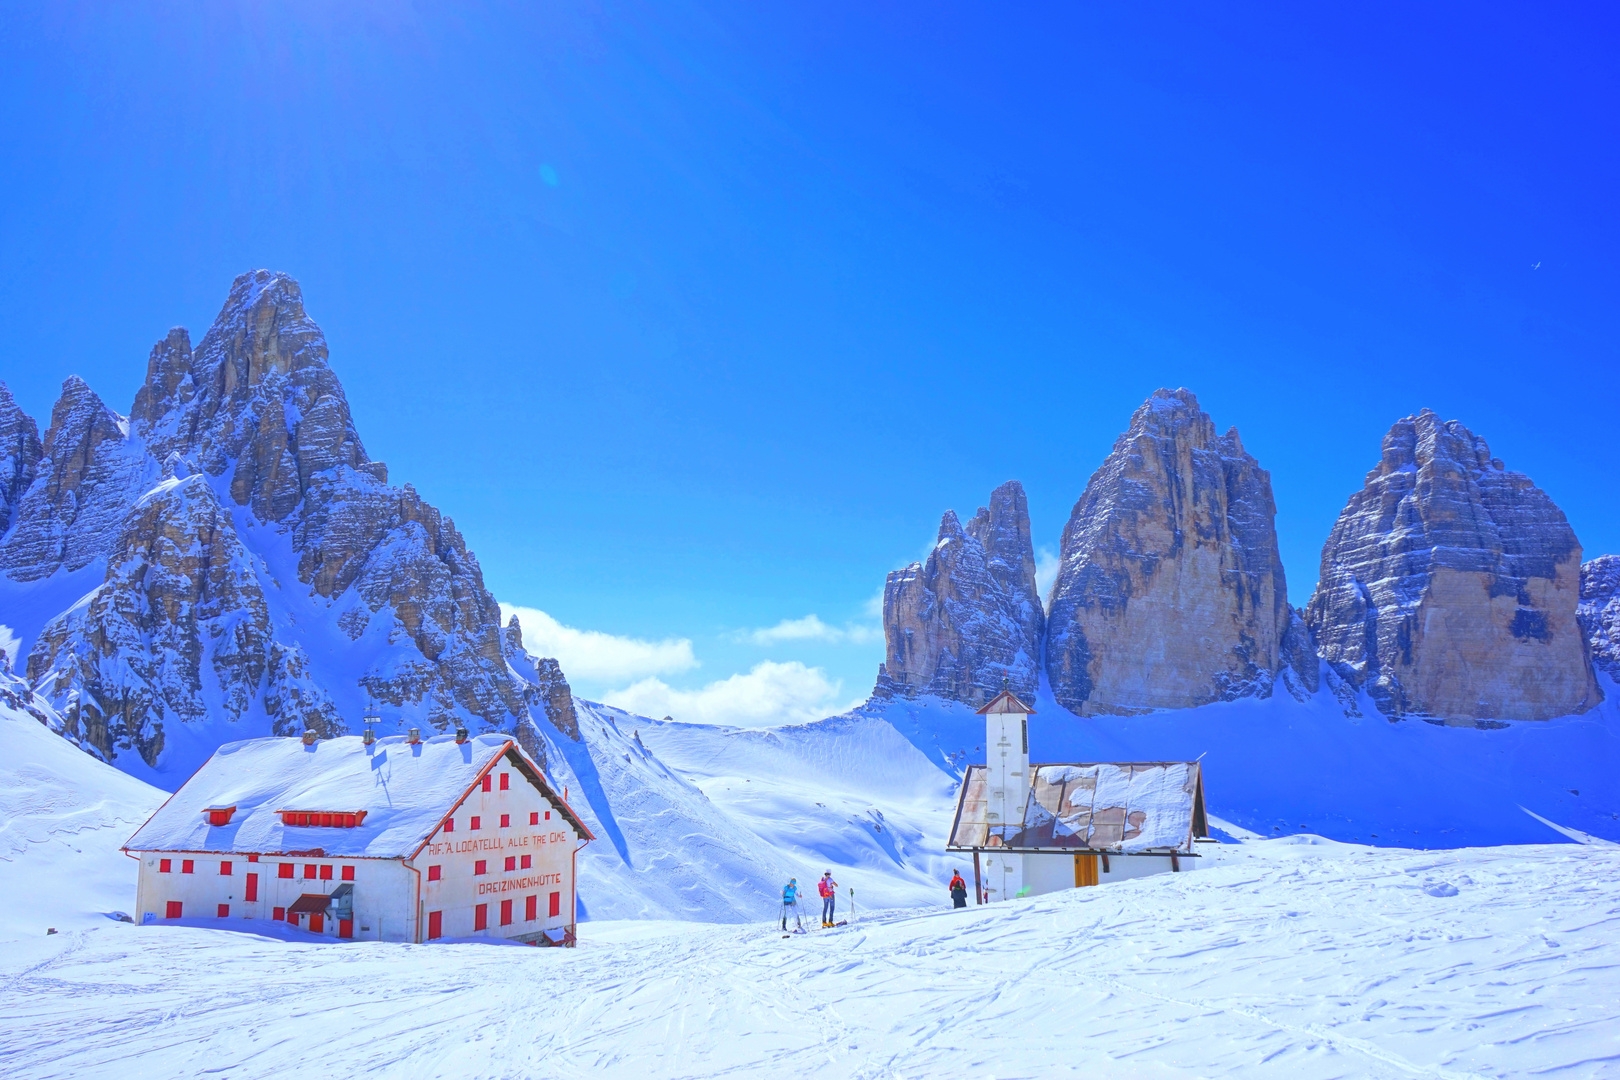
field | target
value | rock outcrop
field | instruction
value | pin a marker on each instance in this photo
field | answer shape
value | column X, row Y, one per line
column 261, row 575
column 1449, row 586
column 1170, row 592
column 20, row 451
column 1599, row 612
column 968, row 620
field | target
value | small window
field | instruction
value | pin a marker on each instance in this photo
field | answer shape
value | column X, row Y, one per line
column 506, row 781
column 481, row 917
column 480, row 867
column 534, row 817
column 224, row 911
column 309, row 871
column 224, row 869
column 435, row 924
column 449, row 824
column 253, row 858
column 285, row 870
column 506, row 907
column 187, row 866
column 506, row 821
column 326, row 872
column 348, row 873
column 434, row 872
column 548, row 815
column 528, row 861
column 511, row 863
column 164, row 866
column 556, row 904
column 476, row 824
column 279, row 914
column 173, row 910
column 531, row 908
column 487, row 779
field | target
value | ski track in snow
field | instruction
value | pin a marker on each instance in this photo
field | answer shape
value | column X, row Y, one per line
column 1294, row 958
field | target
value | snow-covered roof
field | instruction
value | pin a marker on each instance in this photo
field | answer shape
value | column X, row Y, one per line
column 1125, row 808
column 404, row 790
column 1005, row 702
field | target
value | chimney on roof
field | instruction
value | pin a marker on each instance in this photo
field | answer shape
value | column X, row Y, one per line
column 461, row 734
column 413, row 735
column 309, row 736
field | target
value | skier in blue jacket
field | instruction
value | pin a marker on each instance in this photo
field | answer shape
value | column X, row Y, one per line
column 790, row 900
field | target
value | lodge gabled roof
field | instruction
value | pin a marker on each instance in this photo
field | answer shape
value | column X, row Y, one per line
column 1005, row 702
column 399, row 792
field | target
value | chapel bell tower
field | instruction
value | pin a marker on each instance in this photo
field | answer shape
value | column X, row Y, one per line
column 1006, row 756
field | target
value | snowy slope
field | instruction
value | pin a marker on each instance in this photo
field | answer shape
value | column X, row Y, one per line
column 63, row 817
column 1292, row 959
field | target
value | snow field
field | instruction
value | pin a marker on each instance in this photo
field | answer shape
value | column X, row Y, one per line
column 1296, row 958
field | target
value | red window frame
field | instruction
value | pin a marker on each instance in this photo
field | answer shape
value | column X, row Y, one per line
column 279, row 914
column 534, row 817
column 511, row 863
column 224, row 911
column 253, row 858
column 449, row 824
column 556, row 904
column 251, row 893
column 326, row 872
column 224, row 868
column 548, row 815
column 348, row 873
column 531, row 908
column 480, row 867
column 164, row 866
column 435, row 924
column 506, row 913
column 173, row 910
column 188, row 865
column 284, row 870
column 309, row 871
column 435, row 872
column 506, row 821
column 487, row 781
column 481, row 917
column 505, row 780
column 475, row 824
column 527, row 861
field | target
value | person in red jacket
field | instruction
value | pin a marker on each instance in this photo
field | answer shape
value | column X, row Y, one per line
column 828, row 888
column 958, row 889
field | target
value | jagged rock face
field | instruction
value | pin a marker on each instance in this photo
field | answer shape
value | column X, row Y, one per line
column 1449, row 586
column 1599, row 612
column 1170, row 592
column 20, row 451
column 240, row 518
column 969, row 619
column 82, row 486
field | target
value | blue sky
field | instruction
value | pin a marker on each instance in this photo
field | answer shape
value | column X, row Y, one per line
column 695, row 317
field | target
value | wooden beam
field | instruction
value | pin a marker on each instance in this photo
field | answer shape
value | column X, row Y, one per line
column 978, row 889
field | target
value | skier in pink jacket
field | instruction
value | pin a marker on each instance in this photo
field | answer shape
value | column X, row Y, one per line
column 828, row 888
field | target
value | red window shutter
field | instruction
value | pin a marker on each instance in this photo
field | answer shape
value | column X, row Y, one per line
column 528, row 861
column 487, row 779
column 505, row 780
column 449, row 824
column 317, row 922
column 292, row 917
column 506, row 821
column 475, row 823
column 556, row 903
column 548, row 815
column 480, row 867
column 435, row 924
column 506, row 913
column 187, row 866
column 511, row 862
column 284, row 870
column 434, row 872
column 252, row 891
column 224, row 911
column 173, row 910
column 481, row 917
column 534, row 817
column 326, row 872
column 253, row 858
column 348, row 873
column 279, row 914
column 309, row 871
column 346, row 928
column 164, row 865
column 531, row 908
column 224, row 868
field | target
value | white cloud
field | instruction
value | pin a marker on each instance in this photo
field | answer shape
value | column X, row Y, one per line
column 1046, row 571
column 771, row 694
column 874, row 606
column 592, row 654
column 810, row 628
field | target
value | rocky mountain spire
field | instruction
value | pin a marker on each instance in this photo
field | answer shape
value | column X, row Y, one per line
column 1170, row 591
column 1449, row 586
column 969, row 617
column 20, row 451
column 1599, row 612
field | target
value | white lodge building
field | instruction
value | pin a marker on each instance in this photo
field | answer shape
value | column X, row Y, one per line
column 396, row 839
column 1034, row 830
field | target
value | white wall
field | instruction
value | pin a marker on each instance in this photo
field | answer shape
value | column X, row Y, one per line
column 1049, row 873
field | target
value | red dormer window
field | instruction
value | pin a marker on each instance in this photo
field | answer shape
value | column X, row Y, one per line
column 219, row 815
column 322, row 819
